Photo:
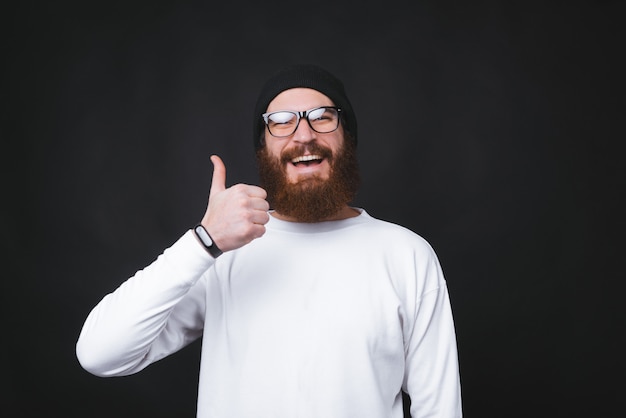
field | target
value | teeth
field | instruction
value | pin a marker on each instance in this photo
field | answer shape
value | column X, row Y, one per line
column 304, row 158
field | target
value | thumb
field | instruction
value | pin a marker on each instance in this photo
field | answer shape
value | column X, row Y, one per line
column 218, row 183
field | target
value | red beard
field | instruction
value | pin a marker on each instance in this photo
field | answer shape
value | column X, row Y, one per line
column 311, row 199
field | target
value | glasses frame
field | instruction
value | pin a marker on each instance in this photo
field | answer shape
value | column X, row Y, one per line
column 299, row 116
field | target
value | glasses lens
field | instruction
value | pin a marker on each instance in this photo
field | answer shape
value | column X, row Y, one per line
column 323, row 119
column 282, row 123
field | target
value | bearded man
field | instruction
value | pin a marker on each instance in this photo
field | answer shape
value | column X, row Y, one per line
column 307, row 306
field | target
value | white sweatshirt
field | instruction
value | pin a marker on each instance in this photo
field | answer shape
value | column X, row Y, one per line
column 321, row 320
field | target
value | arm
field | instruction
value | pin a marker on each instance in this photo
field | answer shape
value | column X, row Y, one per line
column 432, row 378
column 154, row 313
column 161, row 308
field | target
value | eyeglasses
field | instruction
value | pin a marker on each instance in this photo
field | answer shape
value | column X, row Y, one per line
column 284, row 123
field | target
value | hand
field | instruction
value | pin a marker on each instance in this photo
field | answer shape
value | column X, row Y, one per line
column 235, row 215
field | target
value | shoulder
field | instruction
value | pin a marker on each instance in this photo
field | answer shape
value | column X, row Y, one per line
column 409, row 258
column 391, row 229
column 394, row 235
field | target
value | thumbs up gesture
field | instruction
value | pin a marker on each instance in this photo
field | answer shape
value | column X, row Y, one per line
column 235, row 215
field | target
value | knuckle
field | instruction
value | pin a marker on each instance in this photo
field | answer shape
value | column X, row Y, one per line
column 248, row 217
column 259, row 231
column 242, row 201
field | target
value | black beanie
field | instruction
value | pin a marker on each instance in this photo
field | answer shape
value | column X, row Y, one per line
column 309, row 76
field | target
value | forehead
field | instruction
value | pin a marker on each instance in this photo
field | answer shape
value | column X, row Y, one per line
column 299, row 98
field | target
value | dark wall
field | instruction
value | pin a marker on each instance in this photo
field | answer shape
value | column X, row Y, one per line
column 492, row 129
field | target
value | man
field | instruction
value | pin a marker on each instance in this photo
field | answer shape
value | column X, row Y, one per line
column 311, row 309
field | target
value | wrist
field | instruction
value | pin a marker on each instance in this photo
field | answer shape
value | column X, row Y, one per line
column 207, row 242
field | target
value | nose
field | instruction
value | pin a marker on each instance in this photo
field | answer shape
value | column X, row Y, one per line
column 304, row 133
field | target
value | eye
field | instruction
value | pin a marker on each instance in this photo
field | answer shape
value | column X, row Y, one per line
column 317, row 113
column 281, row 117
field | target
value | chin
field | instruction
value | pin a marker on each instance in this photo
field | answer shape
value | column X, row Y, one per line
column 294, row 177
column 307, row 178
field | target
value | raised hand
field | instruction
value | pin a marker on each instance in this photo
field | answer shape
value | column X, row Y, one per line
column 235, row 215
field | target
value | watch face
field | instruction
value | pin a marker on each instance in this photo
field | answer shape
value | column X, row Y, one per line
column 204, row 236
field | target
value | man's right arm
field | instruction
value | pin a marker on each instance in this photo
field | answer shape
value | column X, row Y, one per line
column 161, row 308
column 154, row 313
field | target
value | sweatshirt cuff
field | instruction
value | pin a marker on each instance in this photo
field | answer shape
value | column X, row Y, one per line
column 188, row 255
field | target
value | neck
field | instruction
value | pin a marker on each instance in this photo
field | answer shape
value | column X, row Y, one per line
column 345, row 213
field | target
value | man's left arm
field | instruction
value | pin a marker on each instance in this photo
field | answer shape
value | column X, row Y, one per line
column 432, row 377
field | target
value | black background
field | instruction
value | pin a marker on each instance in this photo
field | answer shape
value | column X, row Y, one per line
column 492, row 129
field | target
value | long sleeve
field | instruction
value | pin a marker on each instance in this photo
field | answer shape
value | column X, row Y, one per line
column 154, row 313
column 432, row 372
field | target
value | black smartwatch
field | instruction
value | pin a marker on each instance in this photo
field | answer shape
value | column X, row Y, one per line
column 207, row 241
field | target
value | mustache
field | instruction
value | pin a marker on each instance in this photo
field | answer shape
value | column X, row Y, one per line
column 314, row 149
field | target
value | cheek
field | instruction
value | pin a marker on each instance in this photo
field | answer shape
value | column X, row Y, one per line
column 274, row 146
column 273, row 150
column 336, row 146
column 275, row 153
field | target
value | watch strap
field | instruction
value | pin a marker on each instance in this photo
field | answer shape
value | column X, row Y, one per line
column 207, row 241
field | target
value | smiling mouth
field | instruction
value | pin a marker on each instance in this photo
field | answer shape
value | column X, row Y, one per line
column 306, row 160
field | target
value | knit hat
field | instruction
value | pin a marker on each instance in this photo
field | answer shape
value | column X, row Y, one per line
column 309, row 76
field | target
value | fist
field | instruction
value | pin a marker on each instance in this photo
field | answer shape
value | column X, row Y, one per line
column 235, row 215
